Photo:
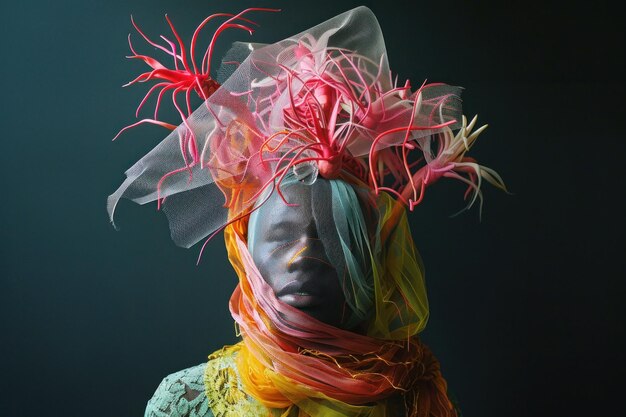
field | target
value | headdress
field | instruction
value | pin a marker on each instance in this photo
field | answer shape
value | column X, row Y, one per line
column 322, row 103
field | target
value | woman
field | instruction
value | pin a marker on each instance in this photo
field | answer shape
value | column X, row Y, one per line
column 316, row 152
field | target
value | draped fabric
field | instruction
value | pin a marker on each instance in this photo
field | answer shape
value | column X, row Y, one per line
column 289, row 360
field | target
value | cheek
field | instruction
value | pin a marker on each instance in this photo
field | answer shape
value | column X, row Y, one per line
column 268, row 260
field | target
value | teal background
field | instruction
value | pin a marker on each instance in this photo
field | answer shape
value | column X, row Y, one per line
column 526, row 306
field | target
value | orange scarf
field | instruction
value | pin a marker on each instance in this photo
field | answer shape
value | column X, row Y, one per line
column 292, row 360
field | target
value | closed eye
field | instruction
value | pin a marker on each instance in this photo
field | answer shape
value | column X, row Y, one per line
column 280, row 231
column 284, row 246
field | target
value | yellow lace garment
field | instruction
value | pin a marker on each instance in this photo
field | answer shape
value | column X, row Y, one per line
column 224, row 390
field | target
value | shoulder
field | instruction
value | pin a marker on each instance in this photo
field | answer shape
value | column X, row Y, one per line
column 181, row 394
column 212, row 389
column 225, row 393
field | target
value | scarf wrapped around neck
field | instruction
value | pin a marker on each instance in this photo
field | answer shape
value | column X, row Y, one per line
column 290, row 360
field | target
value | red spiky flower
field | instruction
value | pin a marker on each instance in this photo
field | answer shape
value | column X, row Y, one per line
column 185, row 77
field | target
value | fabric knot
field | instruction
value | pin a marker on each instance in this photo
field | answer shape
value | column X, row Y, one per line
column 429, row 368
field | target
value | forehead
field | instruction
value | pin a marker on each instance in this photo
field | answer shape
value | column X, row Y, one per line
column 296, row 206
column 302, row 204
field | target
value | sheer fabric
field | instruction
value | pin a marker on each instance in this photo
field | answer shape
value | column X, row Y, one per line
column 212, row 389
column 263, row 120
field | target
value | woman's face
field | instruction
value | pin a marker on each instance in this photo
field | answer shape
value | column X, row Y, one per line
column 286, row 248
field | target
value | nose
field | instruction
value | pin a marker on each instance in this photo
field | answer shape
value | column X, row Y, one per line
column 309, row 253
column 298, row 254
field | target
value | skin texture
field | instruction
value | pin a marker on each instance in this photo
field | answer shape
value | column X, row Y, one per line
column 286, row 248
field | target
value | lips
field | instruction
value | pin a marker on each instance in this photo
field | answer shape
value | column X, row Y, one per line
column 301, row 294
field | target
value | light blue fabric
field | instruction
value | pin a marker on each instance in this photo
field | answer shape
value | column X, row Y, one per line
column 351, row 229
column 181, row 394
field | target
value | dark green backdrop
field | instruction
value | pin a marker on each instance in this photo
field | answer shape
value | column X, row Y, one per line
column 526, row 305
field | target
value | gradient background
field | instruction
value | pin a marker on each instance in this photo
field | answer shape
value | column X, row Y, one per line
column 527, row 314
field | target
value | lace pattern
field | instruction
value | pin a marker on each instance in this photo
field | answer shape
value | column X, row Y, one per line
column 224, row 390
column 181, row 394
column 212, row 389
